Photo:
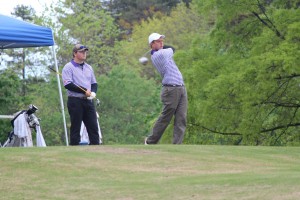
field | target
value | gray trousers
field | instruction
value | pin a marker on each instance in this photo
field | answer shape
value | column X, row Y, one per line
column 174, row 101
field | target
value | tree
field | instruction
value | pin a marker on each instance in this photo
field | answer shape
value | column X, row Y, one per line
column 10, row 99
column 248, row 73
column 128, row 105
column 127, row 13
column 26, row 13
column 44, row 95
column 88, row 23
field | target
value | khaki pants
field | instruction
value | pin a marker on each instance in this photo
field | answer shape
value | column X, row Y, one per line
column 174, row 101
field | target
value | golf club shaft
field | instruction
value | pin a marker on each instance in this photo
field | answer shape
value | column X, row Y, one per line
column 147, row 52
column 73, row 83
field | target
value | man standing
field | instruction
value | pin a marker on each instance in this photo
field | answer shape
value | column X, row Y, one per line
column 80, row 82
column 173, row 94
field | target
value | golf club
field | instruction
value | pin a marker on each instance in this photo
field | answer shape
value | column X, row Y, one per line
column 73, row 83
column 144, row 60
column 93, row 95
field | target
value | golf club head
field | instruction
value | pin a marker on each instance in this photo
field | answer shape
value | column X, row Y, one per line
column 143, row 60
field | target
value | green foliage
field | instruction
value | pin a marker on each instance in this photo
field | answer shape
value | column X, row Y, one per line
column 247, row 73
column 86, row 22
column 45, row 96
column 10, row 92
column 128, row 104
column 26, row 13
column 9, row 100
column 128, row 13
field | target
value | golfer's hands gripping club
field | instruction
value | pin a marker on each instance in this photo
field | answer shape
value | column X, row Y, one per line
column 93, row 95
column 90, row 95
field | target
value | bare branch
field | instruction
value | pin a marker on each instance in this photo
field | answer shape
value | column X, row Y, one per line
column 261, row 131
column 288, row 105
column 279, row 127
column 214, row 131
column 267, row 22
column 289, row 77
column 295, row 112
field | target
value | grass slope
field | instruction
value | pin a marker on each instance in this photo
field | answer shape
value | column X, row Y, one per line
column 162, row 172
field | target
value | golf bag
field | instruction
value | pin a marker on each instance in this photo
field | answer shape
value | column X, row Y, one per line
column 22, row 124
column 84, row 137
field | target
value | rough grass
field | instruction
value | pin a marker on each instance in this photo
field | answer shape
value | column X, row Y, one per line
column 162, row 172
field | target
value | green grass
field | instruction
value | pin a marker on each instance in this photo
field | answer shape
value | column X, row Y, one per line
column 162, row 172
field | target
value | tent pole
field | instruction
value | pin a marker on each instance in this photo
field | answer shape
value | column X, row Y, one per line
column 60, row 96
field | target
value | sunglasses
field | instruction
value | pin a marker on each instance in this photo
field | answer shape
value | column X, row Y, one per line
column 82, row 47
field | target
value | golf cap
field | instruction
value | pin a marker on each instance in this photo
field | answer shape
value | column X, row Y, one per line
column 155, row 36
column 80, row 47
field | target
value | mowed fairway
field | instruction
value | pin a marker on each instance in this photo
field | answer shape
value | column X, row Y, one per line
column 161, row 172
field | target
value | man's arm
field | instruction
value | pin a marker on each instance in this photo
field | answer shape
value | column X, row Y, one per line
column 72, row 87
column 94, row 87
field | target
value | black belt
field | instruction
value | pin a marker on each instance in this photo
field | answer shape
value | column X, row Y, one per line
column 170, row 85
column 79, row 97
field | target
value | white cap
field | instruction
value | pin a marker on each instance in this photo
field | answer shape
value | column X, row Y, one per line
column 155, row 36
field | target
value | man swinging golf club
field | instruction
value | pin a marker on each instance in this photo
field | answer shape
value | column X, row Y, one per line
column 80, row 82
column 173, row 93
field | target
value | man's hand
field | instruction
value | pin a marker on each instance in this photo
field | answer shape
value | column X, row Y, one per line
column 87, row 93
column 91, row 96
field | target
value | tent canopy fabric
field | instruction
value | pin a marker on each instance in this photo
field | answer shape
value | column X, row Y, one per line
column 15, row 33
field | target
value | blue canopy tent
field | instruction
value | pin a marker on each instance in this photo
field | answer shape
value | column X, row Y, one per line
column 15, row 33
